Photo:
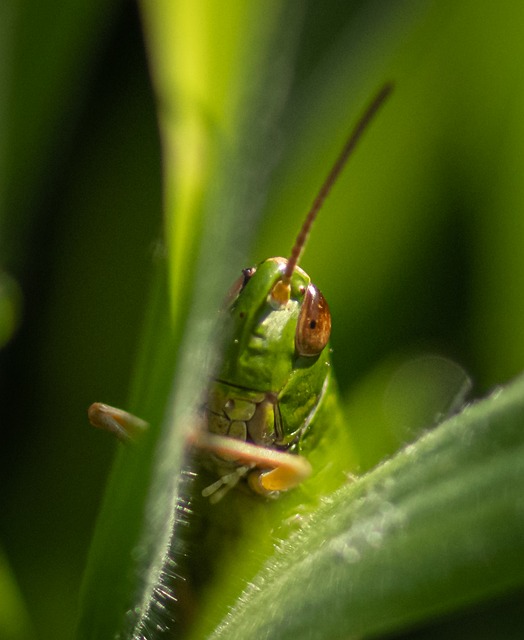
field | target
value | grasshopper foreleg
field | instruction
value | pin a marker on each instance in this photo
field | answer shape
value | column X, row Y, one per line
column 269, row 470
column 125, row 426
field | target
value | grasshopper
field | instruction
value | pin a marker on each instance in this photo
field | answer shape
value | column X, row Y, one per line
column 266, row 411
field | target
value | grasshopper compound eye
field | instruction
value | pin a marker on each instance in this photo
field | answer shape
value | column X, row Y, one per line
column 314, row 324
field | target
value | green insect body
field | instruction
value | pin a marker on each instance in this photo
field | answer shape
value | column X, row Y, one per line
column 275, row 410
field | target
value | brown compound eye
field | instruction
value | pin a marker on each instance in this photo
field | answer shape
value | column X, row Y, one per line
column 314, row 323
column 238, row 285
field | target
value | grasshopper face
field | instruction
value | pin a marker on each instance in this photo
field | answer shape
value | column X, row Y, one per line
column 270, row 339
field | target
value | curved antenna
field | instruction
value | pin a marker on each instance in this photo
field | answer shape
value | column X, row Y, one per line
column 347, row 150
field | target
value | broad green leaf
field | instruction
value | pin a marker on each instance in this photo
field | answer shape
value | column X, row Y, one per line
column 438, row 527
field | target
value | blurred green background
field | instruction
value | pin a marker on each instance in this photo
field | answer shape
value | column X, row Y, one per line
column 418, row 250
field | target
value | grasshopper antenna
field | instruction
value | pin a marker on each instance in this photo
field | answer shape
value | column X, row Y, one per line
column 346, row 152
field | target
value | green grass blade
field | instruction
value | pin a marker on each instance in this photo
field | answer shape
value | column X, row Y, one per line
column 210, row 214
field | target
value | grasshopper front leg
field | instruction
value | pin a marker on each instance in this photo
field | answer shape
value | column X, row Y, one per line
column 270, row 470
column 121, row 424
column 267, row 470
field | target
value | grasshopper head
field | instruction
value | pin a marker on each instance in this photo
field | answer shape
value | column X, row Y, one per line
column 272, row 335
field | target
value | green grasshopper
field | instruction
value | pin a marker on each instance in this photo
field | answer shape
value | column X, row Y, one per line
column 270, row 424
column 272, row 402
